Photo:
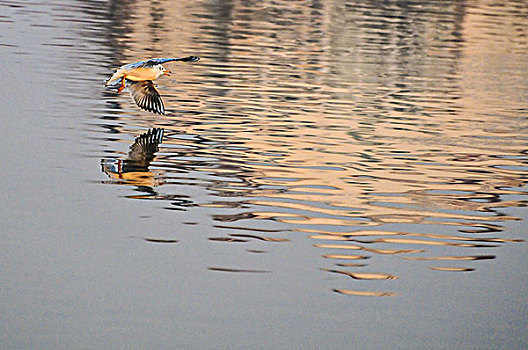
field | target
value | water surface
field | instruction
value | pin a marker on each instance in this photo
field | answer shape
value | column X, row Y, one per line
column 332, row 175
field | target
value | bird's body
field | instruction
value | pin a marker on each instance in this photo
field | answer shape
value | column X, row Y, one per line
column 140, row 77
column 137, row 74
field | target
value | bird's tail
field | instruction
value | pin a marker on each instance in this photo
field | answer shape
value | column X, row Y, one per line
column 114, row 78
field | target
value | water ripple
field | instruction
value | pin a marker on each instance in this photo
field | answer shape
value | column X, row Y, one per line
column 385, row 131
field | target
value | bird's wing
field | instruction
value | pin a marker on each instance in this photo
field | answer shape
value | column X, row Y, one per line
column 130, row 66
column 146, row 145
column 146, row 96
column 155, row 61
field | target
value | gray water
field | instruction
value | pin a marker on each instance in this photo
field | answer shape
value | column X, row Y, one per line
column 333, row 175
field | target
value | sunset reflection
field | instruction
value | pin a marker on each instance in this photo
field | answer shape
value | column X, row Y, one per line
column 364, row 293
column 330, row 174
column 370, row 138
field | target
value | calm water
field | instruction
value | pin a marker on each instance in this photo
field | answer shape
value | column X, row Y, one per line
column 332, row 175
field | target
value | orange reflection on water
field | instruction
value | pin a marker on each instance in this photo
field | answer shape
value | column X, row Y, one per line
column 365, row 275
column 372, row 250
column 364, row 293
column 352, row 236
column 311, row 123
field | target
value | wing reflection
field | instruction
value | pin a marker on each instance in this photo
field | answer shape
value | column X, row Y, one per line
column 134, row 169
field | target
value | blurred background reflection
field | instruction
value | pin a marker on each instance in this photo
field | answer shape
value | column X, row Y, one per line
column 374, row 148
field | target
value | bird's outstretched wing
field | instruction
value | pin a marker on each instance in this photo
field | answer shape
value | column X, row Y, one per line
column 154, row 61
column 146, row 96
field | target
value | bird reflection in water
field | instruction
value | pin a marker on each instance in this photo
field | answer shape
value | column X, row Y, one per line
column 134, row 169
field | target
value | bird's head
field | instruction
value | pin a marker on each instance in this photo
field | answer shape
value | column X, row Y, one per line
column 162, row 70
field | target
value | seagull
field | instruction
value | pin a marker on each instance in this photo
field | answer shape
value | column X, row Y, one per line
column 140, row 77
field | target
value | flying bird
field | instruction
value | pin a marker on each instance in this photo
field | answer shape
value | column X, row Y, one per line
column 139, row 77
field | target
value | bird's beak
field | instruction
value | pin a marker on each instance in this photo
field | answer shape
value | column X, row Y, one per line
column 167, row 73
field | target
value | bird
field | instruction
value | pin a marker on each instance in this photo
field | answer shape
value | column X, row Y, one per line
column 139, row 77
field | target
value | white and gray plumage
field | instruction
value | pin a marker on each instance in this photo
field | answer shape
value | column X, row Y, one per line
column 139, row 77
